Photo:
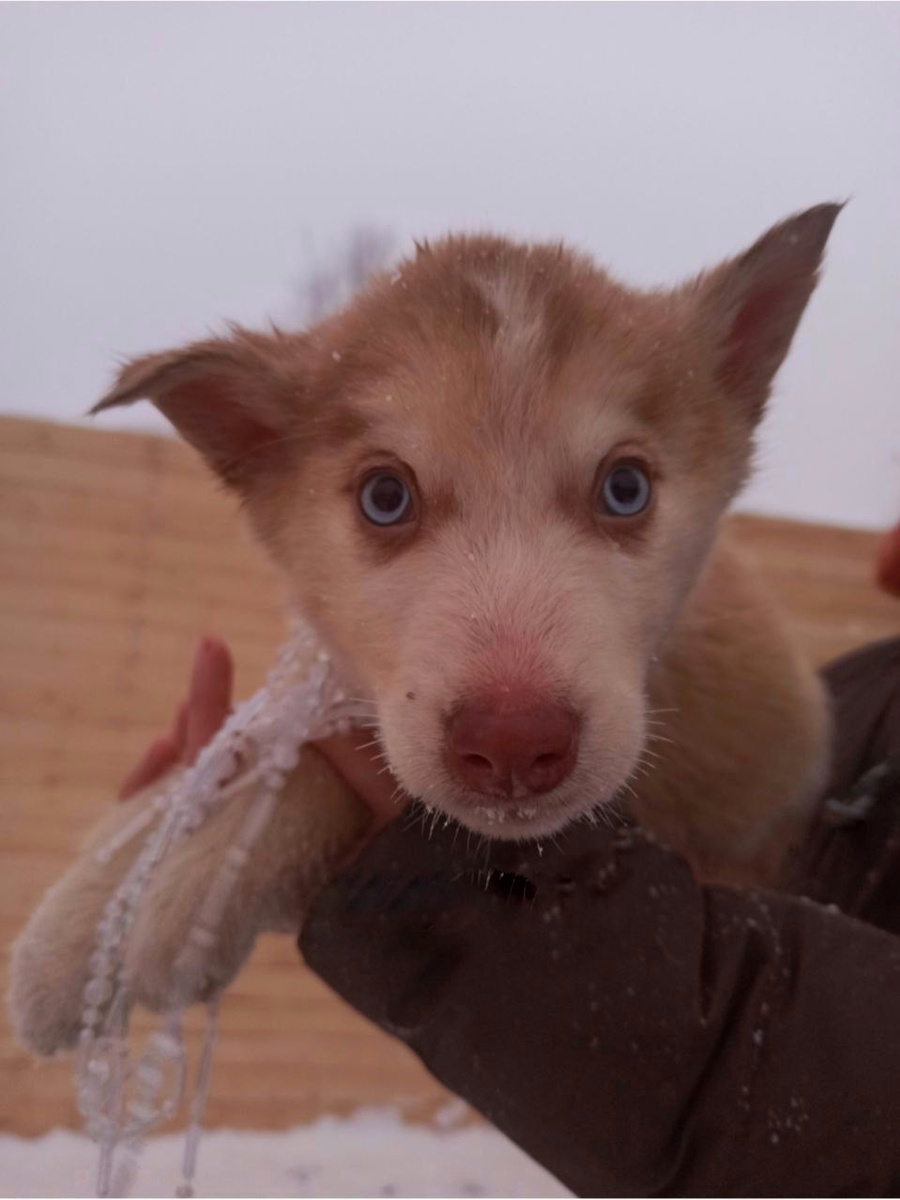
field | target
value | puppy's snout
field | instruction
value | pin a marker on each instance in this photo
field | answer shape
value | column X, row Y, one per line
column 503, row 751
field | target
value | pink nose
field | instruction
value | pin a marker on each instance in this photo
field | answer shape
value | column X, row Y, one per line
column 496, row 752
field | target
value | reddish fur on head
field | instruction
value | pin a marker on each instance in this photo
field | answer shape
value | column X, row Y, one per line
column 501, row 382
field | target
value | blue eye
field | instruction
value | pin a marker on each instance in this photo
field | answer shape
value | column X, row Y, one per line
column 625, row 491
column 385, row 499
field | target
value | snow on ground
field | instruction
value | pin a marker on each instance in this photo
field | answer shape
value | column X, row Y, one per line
column 372, row 1153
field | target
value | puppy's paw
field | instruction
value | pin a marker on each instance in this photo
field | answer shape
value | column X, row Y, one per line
column 316, row 820
column 50, row 960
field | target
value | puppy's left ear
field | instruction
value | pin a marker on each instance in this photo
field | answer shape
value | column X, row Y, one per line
column 752, row 304
column 238, row 400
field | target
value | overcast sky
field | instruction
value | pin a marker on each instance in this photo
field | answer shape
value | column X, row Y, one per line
column 168, row 166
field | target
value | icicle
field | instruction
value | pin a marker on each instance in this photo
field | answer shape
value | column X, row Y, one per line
column 257, row 746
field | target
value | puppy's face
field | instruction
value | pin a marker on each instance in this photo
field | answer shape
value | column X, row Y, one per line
column 492, row 483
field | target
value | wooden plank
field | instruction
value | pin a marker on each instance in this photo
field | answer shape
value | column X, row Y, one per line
column 116, row 551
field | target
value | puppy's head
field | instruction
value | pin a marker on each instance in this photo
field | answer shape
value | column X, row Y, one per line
column 492, row 482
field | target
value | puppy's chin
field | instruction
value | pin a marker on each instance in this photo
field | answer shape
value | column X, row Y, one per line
column 518, row 820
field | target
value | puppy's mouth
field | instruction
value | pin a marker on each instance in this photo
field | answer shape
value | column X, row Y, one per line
column 520, row 818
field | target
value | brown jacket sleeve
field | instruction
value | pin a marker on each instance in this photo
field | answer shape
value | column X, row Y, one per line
column 633, row 1032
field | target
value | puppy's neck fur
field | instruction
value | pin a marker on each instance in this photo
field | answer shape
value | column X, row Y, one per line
column 740, row 750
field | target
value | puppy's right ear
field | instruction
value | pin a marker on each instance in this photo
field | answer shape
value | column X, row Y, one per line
column 237, row 400
column 752, row 304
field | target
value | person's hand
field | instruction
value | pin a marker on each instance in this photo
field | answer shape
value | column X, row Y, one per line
column 358, row 760
column 198, row 718
column 355, row 756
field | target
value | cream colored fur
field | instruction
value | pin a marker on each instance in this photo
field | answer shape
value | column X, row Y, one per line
column 316, row 821
column 496, row 378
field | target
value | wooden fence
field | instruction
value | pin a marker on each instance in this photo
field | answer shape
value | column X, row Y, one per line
column 116, row 551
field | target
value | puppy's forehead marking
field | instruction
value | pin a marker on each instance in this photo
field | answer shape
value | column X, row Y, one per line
column 468, row 296
column 480, row 356
column 522, row 323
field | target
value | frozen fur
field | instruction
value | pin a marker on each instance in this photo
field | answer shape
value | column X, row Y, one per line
column 502, row 383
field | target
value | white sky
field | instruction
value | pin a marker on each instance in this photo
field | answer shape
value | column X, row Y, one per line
column 167, row 166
